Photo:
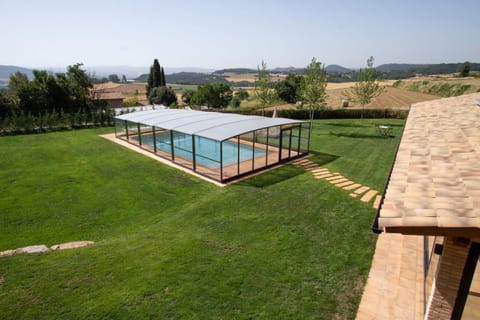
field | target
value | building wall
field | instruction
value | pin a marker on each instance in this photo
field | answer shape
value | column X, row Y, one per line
column 447, row 281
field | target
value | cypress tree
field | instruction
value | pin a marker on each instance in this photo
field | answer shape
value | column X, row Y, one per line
column 157, row 74
column 162, row 78
column 150, row 84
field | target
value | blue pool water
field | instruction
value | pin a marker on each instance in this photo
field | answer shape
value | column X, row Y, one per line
column 207, row 152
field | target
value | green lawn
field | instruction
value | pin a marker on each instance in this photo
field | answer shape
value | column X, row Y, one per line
column 280, row 245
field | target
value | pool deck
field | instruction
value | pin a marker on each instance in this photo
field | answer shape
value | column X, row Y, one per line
column 229, row 171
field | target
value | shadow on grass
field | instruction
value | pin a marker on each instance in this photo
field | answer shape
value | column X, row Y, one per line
column 361, row 135
column 272, row 177
column 321, row 158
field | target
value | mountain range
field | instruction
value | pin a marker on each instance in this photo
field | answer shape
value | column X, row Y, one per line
column 387, row 71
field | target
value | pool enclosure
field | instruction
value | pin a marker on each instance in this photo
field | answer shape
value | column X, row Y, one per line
column 220, row 146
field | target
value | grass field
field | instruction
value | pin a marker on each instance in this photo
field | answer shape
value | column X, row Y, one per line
column 280, row 245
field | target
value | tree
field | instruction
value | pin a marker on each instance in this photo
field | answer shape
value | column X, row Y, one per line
column 79, row 86
column 367, row 86
column 235, row 102
column 216, row 95
column 242, row 94
column 187, row 96
column 162, row 95
column 154, row 77
column 113, row 78
column 124, row 79
column 263, row 89
column 162, row 78
column 464, row 69
column 313, row 88
column 289, row 89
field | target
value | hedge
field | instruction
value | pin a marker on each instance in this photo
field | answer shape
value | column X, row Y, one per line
column 329, row 113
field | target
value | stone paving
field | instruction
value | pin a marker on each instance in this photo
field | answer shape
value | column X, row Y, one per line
column 335, row 178
column 41, row 248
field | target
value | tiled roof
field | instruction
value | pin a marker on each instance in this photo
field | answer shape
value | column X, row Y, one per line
column 435, row 182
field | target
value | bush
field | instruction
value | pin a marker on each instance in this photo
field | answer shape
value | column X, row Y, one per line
column 304, row 114
column 162, row 95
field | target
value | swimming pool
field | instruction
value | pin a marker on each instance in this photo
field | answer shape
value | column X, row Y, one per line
column 207, row 152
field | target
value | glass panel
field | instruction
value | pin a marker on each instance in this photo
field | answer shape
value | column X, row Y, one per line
column 304, row 144
column 295, row 142
column 260, row 138
column 286, row 140
column 182, row 148
column 207, row 157
column 230, row 158
column 246, row 152
column 132, row 132
column 273, row 145
column 120, row 130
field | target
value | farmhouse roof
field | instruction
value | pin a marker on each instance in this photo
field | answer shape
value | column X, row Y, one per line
column 434, row 187
column 212, row 125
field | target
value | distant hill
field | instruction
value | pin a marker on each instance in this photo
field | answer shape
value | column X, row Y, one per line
column 194, row 78
column 235, row 70
column 335, row 68
column 6, row 71
column 389, row 67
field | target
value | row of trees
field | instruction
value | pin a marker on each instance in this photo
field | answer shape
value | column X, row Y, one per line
column 309, row 91
column 70, row 92
column 48, row 99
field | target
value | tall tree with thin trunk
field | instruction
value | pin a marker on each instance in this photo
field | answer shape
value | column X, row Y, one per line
column 263, row 88
column 314, row 84
column 367, row 86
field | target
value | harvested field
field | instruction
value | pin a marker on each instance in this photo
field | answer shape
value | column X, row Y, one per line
column 393, row 98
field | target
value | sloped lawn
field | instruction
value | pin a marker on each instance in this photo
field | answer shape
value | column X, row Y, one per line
column 280, row 245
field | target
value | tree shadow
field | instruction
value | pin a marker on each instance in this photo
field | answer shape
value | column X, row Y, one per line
column 321, row 158
column 272, row 177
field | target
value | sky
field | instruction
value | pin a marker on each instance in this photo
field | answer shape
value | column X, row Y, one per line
column 226, row 34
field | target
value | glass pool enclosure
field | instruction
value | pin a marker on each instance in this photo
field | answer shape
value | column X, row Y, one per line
column 220, row 146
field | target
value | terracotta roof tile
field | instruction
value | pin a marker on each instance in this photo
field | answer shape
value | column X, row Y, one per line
column 435, row 180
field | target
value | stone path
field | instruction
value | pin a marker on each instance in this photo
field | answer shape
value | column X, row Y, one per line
column 364, row 193
column 43, row 248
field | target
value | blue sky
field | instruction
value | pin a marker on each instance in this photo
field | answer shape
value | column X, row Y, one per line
column 222, row 34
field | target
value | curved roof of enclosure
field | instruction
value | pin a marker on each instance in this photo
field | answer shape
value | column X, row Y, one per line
column 212, row 125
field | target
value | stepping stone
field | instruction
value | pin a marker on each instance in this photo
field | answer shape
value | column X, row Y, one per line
column 345, row 183
column 71, row 245
column 353, row 195
column 8, row 253
column 352, row 186
column 361, row 190
column 303, row 161
column 323, row 176
column 335, row 176
column 369, row 195
column 35, row 249
column 376, row 203
column 335, row 181
column 311, row 166
column 320, row 170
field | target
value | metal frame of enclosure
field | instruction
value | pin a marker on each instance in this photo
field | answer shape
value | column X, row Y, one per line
column 220, row 146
